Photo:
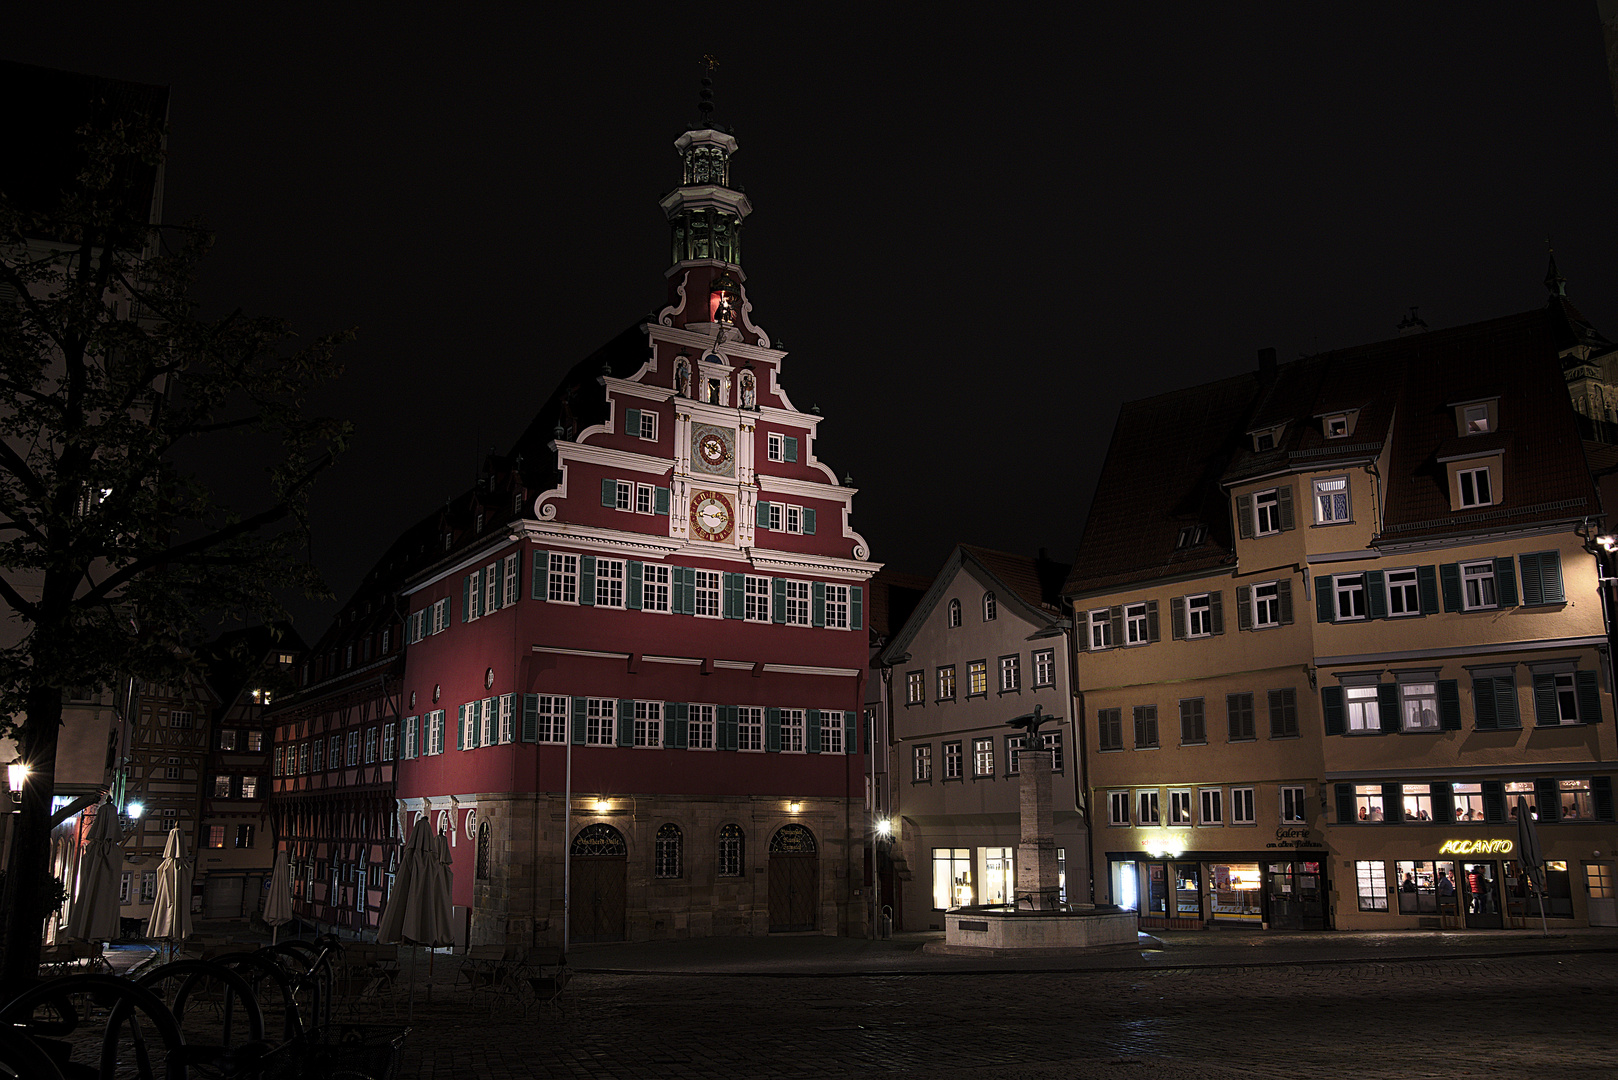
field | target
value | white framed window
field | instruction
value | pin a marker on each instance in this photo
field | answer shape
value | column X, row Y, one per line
column 831, row 731
column 1567, row 697
column 921, row 763
column 1267, row 512
column 1368, row 805
column 353, row 748
column 1199, row 615
column 1418, row 802
column 792, row 724
column 441, row 616
column 512, row 579
column 1213, row 806
column 1404, row 592
column 647, row 428
column 773, row 516
column 1475, row 418
column 645, row 499
column 370, row 745
column 508, row 719
column 1478, row 586
column 991, row 607
column 756, row 606
column 1241, row 806
column 1267, row 604
column 1045, row 667
column 977, row 678
column 749, row 728
column 1331, row 500
column 610, row 583
column 1418, row 705
column 946, row 682
column 1118, row 808
column 1371, row 885
column 552, row 718
column 469, row 725
column 625, row 497
column 707, row 594
column 1147, row 811
column 1360, row 705
column 954, row 614
column 491, row 588
column 1010, row 673
column 982, row 757
column 601, row 721
column 1474, row 486
column 915, row 688
column 390, row 740
column 649, row 723
column 797, row 603
column 837, row 607
column 1293, row 807
column 1135, row 625
column 654, row 588
column 1335, row 426
column 794, row 519
column 563, row 586
column 1100, row 629
column 435, row 732
column 1180, row 808
column 1349, row 593
column 952, row 760
column 773, row 447
column 491, row 722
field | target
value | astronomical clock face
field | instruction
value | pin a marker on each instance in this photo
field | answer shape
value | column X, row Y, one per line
column 712, row 516
column 713, row 450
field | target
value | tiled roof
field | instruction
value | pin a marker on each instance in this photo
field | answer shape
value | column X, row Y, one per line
column 1033, row 585
column 1037, row 581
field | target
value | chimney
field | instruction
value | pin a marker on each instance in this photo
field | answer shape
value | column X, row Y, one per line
column 1266, row 364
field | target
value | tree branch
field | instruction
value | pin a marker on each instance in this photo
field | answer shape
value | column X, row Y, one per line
column 18, row 604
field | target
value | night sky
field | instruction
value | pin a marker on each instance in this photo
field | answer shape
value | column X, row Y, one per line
column 976, row 238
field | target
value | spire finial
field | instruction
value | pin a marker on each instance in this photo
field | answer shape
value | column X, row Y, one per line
column 705, row 95
column 1555, row 283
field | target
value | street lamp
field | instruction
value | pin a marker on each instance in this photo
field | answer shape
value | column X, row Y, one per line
column 135, row 810
column 884, row 827
column 16, row 776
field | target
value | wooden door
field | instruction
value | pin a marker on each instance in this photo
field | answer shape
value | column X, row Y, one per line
column 599, row 892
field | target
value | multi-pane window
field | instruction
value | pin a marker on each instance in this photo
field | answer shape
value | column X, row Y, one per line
column 1193, row 722
column 797, row 602
column 707, row 593
column 1239, row 708
column 1100, row 629
column 1567, row 698
column 1136, row 629
column 1474, row 486
column 510, row 577
column 390, row 735
column 1283, row 713
column 244, row 836
column 915, row 687
column 952, row 760
column 1111, row 725
column 1331, row 500
column 654, row 588
column 1145, row 726
column 954, row 613
column 1368, row 804
column 1360, row 704
column 317, row 756
column 668, row 851
column 982, row 757
column 946, row 683
column 1045, row 667
column 255, row 742
column 1418, row 705
column 249, row 787
column 1118, row 808
column 1371, row 884
column 303, row 755
column 216, row 836
column 837, row 607
column 1350, row 595
column 610, row 583
column 772, row 516
column 757, row 599
column 644, row 498
column 1010, row 673
column 699, row 731
column 625, row 495
column 227, row 739
column 1050, row 740
column 180, row 718
column 731, row 862
column 563, row 587
column 1267, row 512
column 1241, row 806
column 221, row 787
column 794, row 519
column 1199, row 615
column 508, row 707
column 1267, row 604
column 831, row 731
column 1575, row 795
column 1180, row 808
column 491, row 588
column 551, row 719
column 1293, row 808
column 648, row 723
column 921, row 763
column 370, row 745
column 1404, row 595
column 1418, row 800
column 1213, row 806
column 1521, row 789
column 774, row 444
column 1147, row 811
column 990, row 607
column 749, row 727
column 792, row 729
column 977, row 678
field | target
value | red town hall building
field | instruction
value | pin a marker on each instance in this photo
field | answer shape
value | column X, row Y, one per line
column 656, row 601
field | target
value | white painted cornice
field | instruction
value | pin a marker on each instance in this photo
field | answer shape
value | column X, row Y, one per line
column 616, row 459
column 806, row 489
column 596, row 538
column 792, row 562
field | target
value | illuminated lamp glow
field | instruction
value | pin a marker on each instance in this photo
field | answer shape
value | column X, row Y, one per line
column 135, row 810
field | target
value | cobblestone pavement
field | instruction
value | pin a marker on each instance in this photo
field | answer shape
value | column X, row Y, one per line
column 1546, row 1016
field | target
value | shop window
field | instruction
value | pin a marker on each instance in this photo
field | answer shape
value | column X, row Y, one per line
column 1468, row 802
column 999, row 875
column 952, row 877
column 1523, row 902
column 1235, row 892
column 1368, row 804
column 1371, row 883
column 1423, row 886
column 1418, row 800
column 1188, row 890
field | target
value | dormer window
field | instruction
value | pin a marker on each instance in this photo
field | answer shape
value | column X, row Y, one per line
column 1191, row 536
column 1263, row 441
column 1477, row 417
column 1337, row 426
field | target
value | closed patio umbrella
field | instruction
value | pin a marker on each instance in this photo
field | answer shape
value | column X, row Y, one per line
column 171, row 909
column 1531, row 856
column 94, row 916
column 278, row 904
column 418, row 912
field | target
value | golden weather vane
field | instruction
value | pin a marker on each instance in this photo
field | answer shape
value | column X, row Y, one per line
column 710, row 61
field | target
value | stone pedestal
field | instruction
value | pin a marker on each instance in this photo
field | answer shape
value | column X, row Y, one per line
column 1037, row 885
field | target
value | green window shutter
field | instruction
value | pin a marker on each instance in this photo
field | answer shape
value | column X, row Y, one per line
column 676, row 721
column 1443, row 801
column 1216, row 609
column 1427, row 586
column 856, row 607
column 1325, row 600
column 1533, row 587
column 1550, row 572
column 1545, row 712
column 1177, row 618
column 626, row 722
column 466, row 599
column 778, row 599
column 1393, row 803
column 1505, row 580
column 1505, row 702
column 808, row 521
column 530, row 718
column 580, row 707
column 1601, row 795
column 1450, row 575
column 811, row 731
column 690, row 575
column 460, row 728
column 789, row 448
column 1449, row 704
column 609, row 494
column 1547, row 798
column 1387, row 705
column 540, row 576
column 761, row 516
column 1331, row 707
column 727, row 728
column 1345, row 804
column 499, row 584
column 677, row 582
column 1115, row 615
column 1283, row 589
column 772, row 730
column 1244, row 607
column 1244, row 516
column 732, row 606
column 661, row 505
column 632, row 422
column 1153, row 632
column 1376, row 595
column 1483, row 705
column 1589, row 694
column 1494, row 802
column 817, row 603
column 1283, row 503
column 634, row 584
column 587, row 580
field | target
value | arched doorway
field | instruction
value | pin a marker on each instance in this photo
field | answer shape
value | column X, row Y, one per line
column 599, row 865
column 794, row 879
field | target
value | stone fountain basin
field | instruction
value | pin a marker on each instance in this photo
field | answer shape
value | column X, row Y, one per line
column 1003, row 930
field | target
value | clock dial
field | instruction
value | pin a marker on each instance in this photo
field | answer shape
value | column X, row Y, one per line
column 711, row 516
column 713, row 450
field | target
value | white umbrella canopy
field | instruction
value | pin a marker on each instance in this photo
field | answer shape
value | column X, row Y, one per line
column 418, row 912
column 278, row 904
column 94, row 915
column 171, row 910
